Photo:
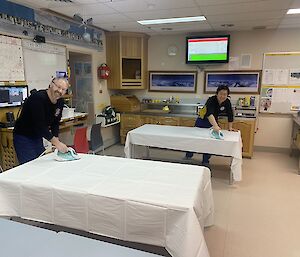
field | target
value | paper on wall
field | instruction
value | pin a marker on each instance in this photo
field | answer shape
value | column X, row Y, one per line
column 294, row 77
column 268, row 77
column 281, row 77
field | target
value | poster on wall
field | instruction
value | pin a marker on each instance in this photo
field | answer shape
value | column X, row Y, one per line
column 294, row 77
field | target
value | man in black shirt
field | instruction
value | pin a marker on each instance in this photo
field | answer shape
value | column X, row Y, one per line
column 39, row 119
column 208, row 115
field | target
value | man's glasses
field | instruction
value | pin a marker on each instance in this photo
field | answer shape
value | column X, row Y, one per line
column 64, row 90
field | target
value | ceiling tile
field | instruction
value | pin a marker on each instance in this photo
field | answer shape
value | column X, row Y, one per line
column 85, row 10
column 244, row 17
column 250, row 24
column 143, row 5
column 290, row 20
column 260, row 6
column 295, row 4
column 222, row 2
column 110, row 18
column 160, row 14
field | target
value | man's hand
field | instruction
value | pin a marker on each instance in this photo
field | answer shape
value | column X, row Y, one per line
column 216, row 128
column 59, row 145
column 233, row 129
column 62, row 147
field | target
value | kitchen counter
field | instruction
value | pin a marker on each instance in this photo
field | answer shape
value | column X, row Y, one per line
column 187, row 115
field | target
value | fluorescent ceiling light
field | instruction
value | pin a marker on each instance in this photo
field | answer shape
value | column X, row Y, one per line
column 172, row 20
column 293, row 11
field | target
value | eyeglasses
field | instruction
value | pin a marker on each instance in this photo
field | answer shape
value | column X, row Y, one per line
column 64, row 90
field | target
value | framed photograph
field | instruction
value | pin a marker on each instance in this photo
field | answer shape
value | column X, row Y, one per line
column 173, row 81
column 239, row 82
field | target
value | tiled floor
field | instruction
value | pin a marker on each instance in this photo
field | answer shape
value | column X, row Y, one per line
column 258, row 217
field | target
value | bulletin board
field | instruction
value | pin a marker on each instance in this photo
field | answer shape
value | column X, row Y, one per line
column 11, row 59
column 280, row 89
column 42, row 61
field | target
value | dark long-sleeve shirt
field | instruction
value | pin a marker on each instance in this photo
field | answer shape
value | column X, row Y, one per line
column 213, row 107
column 39, row 117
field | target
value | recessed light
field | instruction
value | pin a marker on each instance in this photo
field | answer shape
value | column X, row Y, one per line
column 172, row 20
column 293, row 11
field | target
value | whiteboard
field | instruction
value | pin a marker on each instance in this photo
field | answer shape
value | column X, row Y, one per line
column 42, row 61
column 280, row 89
column 11, row 59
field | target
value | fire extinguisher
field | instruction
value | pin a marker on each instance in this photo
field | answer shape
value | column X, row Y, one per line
column 103, row 71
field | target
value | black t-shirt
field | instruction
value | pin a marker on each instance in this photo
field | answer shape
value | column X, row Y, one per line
column 39, row 116
column 213, row 107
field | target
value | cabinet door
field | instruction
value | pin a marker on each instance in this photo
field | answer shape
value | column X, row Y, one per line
column 187, row 122
column 247, row 134
column 148, row 119
column 131, row 46
column 223, row 124
column 8, row 154
column 130, row 120
column 171, row 121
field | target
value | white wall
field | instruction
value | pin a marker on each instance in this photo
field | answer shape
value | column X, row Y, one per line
column 273, row 130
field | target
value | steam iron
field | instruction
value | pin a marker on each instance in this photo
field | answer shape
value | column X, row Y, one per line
column 216, row 135
column 71, row 155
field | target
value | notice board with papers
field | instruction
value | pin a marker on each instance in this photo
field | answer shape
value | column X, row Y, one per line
column 11, row 59
column 280, row 89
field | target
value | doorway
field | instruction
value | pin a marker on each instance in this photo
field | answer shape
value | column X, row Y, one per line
column 81, row 80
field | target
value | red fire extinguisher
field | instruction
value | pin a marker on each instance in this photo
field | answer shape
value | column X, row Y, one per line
column 103, row 71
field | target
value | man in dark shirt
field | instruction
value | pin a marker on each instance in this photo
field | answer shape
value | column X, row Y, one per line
column 39, row 119
column 208, row 116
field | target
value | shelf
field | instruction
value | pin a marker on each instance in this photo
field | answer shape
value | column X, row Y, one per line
column 131, row 81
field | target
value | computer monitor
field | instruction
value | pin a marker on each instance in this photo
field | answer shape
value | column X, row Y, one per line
column 13, row 95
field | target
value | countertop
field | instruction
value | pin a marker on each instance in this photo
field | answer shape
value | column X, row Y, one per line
column 185, row 115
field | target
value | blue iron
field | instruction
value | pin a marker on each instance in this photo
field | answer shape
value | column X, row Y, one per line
column 71, row 155
column 216, row 135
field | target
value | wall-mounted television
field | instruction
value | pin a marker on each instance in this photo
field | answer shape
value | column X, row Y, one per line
column 209, row 49
column 13, row 95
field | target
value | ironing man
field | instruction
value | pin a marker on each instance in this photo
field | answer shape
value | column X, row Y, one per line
column 39, row 119
column 208, row 116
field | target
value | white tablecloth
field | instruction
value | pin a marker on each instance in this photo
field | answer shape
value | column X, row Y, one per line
column 191, row 139
column 20, row 240
column 156, row 203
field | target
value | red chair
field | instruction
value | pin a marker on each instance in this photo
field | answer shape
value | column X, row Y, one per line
column 81, row 144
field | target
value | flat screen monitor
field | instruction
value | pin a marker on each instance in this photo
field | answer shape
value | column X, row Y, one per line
column 210, row 49
column 12, row 95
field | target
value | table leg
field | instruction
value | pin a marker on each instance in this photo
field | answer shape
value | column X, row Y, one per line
column 299, row 165
column 132, row 154
column 147, row 152
column 231, row 174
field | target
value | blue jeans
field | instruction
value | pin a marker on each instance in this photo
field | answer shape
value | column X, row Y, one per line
column 28, row 148
column 200, row 123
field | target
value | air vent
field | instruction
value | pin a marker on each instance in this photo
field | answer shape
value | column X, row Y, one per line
column 166, row 29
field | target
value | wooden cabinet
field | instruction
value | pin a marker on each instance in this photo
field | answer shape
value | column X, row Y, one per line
column 187, row 122
column 247, row 129
column 8, row 154
column 127, row 57
column 128, row 122
column 170, row 121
